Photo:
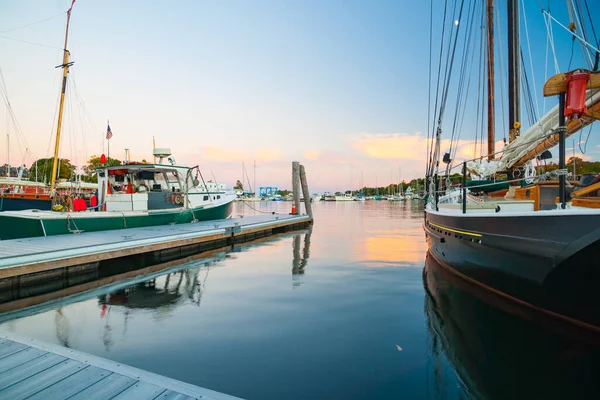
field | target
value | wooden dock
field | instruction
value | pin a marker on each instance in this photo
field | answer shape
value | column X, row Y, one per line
column 66, row 254
column 30, row 369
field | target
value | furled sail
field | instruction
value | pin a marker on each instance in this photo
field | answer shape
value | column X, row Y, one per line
column 537, row 139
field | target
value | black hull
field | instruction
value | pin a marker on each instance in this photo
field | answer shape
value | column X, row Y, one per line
column 548, row 262
column 12, row 204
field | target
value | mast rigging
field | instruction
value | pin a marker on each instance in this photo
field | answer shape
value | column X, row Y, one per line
column 65, row 67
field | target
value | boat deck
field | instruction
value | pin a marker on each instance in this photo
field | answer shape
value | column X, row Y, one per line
column 33, row 255
column 30, row 369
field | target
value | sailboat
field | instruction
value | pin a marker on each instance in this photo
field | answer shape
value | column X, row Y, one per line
column 253, row 195
column 24, row 194
column 130, row 196
column 538, row 241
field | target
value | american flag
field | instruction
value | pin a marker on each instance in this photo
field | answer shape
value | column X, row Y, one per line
column 108, row 132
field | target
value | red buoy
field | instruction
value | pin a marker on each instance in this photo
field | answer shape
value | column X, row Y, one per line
column 576, row 88
column 103, row 159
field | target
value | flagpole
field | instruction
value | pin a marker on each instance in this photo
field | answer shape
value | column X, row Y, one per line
column 108, row 139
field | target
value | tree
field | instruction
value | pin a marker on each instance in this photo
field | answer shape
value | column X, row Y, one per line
column 238, row 185
column 44, row 169
column 94, row 163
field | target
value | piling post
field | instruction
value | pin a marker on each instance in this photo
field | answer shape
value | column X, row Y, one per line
column 305, row 192
column 296, row 184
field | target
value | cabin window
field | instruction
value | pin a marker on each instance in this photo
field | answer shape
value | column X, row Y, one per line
column 219, row 196
column 205, row 198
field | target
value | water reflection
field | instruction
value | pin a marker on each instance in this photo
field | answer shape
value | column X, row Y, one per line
column 300, row 260
column 503, row 353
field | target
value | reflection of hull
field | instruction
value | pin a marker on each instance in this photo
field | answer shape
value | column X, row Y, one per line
column 546, row 260
column 505, row 355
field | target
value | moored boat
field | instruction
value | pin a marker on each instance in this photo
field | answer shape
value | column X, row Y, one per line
column 130, row 196
column 537, row 243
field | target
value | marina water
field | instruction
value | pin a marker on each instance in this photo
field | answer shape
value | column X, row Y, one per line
column 350, row 309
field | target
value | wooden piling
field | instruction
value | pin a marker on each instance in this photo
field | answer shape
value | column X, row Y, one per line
column 296, row 184
column 305, row 192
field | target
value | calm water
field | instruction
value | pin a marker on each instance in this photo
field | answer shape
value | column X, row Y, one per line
column 343, row 311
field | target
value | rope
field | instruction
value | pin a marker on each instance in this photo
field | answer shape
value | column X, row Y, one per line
column 530, row 56
column 260, row 211
column 581, row 40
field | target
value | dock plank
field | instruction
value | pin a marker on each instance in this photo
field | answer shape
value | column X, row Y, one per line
column 106, row 388
column 28, row 369
column 10, row 349
column 19, row 358
column 59, row 372
column 41, row 380
column 171, row 395
column 140, row 391
column 72, row 384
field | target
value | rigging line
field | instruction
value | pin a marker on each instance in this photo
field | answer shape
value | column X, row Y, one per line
column 530, row 56
column 586, row 139
column 11, row 113
column 550, row 33
column 589, row 45
column 463, row 70
column 451, row 63
column 589, row 14
column 582, row 27
column 439, row 74
column 28, row 42
column 527, row 93
column 32, row 23
column 429, row 79
column 501, row 64
column 572, row 51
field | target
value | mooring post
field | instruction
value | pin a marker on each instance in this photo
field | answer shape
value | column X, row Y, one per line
column 296, row 185
column 305, row 191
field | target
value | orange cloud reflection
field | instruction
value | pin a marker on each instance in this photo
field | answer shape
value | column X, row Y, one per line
column 406, row 248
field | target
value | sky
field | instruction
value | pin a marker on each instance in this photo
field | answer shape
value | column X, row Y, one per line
column 339, row 85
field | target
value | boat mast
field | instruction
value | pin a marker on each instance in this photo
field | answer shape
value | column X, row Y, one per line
column 254, row 190
column 65, row 66
column 514, row 70
column 490, row 56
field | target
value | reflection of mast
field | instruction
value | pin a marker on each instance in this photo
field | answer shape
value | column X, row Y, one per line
column 62, row 327
column 195, row 289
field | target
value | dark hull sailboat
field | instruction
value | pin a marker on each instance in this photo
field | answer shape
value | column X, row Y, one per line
column 544, row 259
column 539, row 244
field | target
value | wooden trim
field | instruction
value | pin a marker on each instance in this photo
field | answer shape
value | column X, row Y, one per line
column 586, row 190
column 558, row 84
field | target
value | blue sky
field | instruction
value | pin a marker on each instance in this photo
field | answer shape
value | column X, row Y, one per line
column 338, row 85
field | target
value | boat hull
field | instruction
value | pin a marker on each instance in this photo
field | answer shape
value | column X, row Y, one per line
column 546, row 260
column 24, row 202
column 13, row 226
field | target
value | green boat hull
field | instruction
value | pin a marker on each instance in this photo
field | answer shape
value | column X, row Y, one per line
column 15, row 227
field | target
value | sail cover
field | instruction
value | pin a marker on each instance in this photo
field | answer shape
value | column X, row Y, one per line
column 526, row 142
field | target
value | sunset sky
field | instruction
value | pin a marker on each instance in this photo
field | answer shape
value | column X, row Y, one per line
column 341, row 86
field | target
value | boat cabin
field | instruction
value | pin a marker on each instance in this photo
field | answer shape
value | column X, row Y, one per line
column 142, row 187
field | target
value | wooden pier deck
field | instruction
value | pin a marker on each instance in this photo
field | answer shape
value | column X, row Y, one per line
column 30, row 369
column 22, row 257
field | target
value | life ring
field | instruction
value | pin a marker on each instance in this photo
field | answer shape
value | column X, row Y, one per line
column 178, row 199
